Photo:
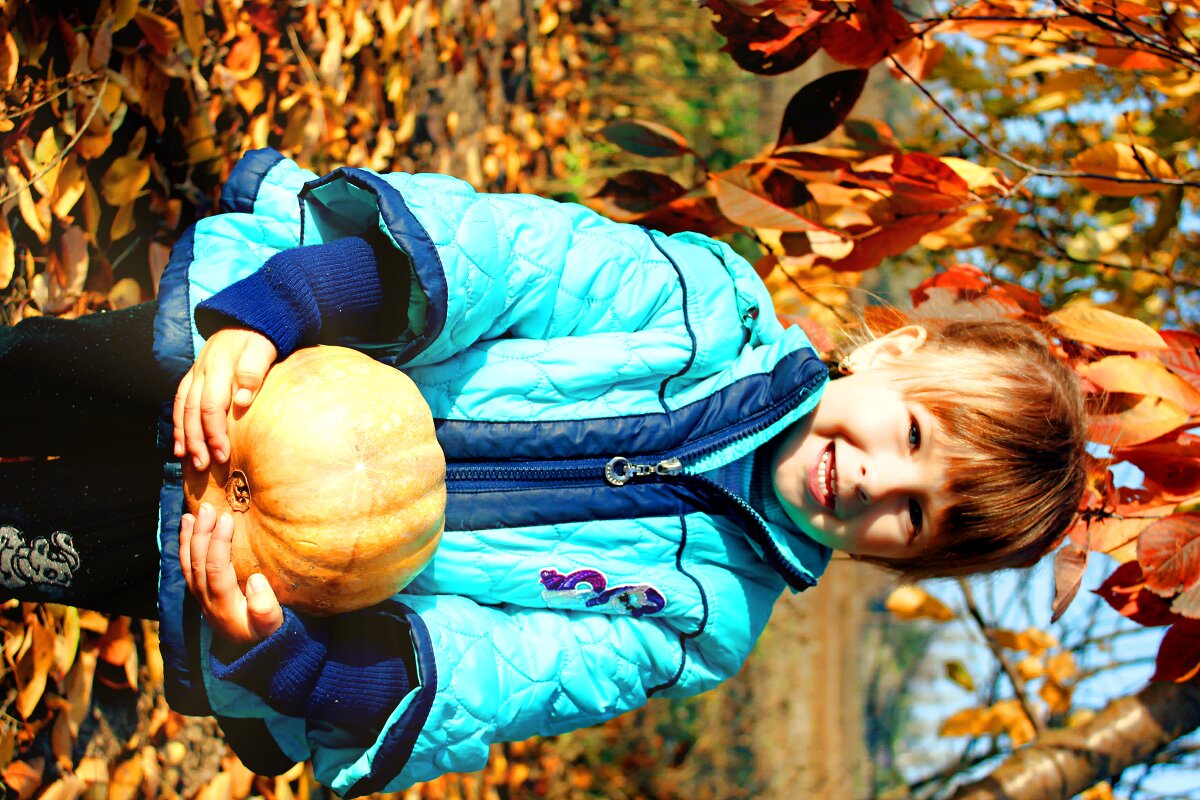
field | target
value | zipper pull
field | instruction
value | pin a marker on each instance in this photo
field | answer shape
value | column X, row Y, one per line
column 620, row 470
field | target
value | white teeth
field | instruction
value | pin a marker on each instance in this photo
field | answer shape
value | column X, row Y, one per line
column 827, row 474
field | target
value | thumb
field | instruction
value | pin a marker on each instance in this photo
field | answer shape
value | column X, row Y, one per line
column 253, row 363
column 266, row 615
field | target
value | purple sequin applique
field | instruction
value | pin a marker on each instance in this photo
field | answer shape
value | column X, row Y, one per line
column 591, row 586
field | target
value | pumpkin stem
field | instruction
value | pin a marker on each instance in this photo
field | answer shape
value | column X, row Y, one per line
column 237, row 491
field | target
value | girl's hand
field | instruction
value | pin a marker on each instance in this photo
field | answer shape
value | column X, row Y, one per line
column 204, row 546
column 231, row 367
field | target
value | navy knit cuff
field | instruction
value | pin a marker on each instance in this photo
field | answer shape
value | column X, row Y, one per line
column 351, row 670
column 301, row 295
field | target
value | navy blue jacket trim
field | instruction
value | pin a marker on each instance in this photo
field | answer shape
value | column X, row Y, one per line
column 687, row 322
column 242, row 187
column 733, row 406
column 413, row 240
column 398, row 742
column 179, row 620
column 555, row 505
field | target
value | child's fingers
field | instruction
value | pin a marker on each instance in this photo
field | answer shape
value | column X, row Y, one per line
column 177, row 414
column 193, row 431
column 266, row 615
column 214, row 409
column 185, row 543
column 198, row 547
column 253, row 363
column 222, row 581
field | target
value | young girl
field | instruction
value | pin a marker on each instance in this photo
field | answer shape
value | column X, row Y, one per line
column 640, row 460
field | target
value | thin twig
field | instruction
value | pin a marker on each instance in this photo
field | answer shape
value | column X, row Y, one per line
column 1014, row 677
column 37, row 176
column 1016, row 162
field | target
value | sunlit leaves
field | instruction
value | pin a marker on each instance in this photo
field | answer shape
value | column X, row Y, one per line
column 1137, row 167
column 1097, row 326
column 911, row 602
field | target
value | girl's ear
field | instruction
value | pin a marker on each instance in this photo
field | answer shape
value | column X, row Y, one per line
column 899, row 342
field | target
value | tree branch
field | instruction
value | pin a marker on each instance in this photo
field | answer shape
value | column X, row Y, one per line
column 1016, row 162
column 1014, row 677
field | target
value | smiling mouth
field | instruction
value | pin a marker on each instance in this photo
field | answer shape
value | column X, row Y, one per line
column 822, row 482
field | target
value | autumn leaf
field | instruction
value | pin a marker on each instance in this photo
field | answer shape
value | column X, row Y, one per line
column 125, row 177
column 910, row 603
column 765, row 44
column 1169, row 552
column 744, row 207
column 1031, row 640
column 957, row 672
column 8, row 253
column 634, row 192
column 1179, row 653
column 1125, row 591
column 1140, row 376
column 648, row 139
column 1140, row 169
column 819, row 107
column 968, row 722
column 1103, row 328
column 1070, row 562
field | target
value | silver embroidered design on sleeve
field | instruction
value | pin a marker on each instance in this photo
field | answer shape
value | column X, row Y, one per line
column 47, row 562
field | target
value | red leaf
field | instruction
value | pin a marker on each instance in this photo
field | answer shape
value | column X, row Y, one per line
column 821, row 339
column 1171, row 465
column 644, row 138
column 765, row 43
column 1125, row 591
column 1169, row 552
column 922, row 183
column 1182, row 355
column 700, row 214
column 820, row 106
column 958, row 276
column 1070, row 562
column 869, row 34
column 1179, row 653
column 884, row 242
column 627, row 196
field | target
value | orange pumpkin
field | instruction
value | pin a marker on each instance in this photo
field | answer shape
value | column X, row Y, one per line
column 336, row 481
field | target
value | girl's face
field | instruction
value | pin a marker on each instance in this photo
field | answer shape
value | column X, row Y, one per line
column 864, row 473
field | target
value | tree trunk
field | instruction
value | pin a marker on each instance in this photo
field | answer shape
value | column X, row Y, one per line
column 1064, row 762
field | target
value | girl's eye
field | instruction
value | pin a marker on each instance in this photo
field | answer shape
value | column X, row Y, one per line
column 914, row 434
column 915, row 517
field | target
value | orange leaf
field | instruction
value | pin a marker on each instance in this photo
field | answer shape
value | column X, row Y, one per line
column 34, row 667
column 909, row 603
column 8, row 253
column 968, row 722
column 1132, row 163
column 1069, row 564
column 1141, row 376
column 1102, row 328
column 160, row 32
column 1182, row 355
column 745, row 207
column 1169, row 552
column 125, row 177
column 1140, row 421
column 24, row 777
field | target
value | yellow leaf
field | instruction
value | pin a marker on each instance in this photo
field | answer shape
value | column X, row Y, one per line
column 1032, row 640
column 978, row 177
column 123, row 13
column 45, row 154
column 1057, row 696
column 122, row 224
column 66, row 643
column 1030, row 667
column 1061, row 666
column 70, row 188
column 193, row 25
column 909, row 602
column 957, row 672
column 1148, row 418
column 1117, row 160
column 10, row 59
column 125, row 177
column 67, row 787
column 34, row 667
column 968, row 722
column 8, row 253
column 126, row 779
column 1101, row 791
column 1102, row 328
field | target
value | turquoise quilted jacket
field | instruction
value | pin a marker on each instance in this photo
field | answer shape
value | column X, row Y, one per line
column 583, row 374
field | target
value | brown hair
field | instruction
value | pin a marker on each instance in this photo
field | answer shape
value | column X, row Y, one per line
column 1013, row 416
